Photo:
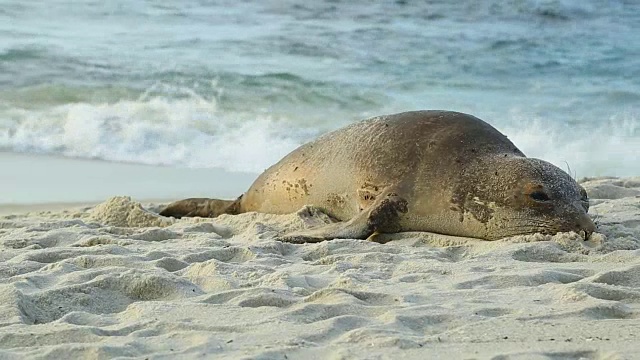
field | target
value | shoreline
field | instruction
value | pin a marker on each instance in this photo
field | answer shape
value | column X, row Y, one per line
column 28, row 179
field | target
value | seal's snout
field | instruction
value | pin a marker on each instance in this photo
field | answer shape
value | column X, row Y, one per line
column 578, row 220
column 585, row 226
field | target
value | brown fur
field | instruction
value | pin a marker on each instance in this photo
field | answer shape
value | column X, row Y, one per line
column 454, row 173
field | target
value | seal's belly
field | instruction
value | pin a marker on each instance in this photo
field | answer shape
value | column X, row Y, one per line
column 286, row 189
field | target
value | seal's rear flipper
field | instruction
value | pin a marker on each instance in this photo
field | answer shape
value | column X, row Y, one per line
column 382, row 216
column 202, row 207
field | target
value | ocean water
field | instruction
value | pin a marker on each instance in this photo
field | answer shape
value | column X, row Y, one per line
column 238, row 84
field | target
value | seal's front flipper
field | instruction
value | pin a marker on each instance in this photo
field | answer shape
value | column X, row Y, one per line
column 382, row 216
column 201, row 207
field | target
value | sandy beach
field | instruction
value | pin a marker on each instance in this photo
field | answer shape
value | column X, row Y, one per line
column 111, row 110
column 115, row 280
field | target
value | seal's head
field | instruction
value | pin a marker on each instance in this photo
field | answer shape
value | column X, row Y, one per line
column 524, row 196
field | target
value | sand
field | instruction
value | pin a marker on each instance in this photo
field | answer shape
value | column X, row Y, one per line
column 117, row 281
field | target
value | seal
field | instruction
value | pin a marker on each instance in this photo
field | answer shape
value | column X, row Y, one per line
column 437, row 171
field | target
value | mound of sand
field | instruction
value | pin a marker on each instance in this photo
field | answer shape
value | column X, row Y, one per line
column 123, row 212
column 119, row 281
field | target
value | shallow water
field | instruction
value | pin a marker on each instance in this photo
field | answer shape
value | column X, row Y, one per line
column 239, row 84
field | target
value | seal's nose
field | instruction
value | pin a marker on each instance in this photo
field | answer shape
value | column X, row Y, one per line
column 583, row 223
column 586, row 226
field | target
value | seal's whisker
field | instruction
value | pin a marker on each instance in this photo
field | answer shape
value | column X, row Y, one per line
column 527, row 229
column 573, row 175
column 532, row 228
column 529, row 221
column 596, row 217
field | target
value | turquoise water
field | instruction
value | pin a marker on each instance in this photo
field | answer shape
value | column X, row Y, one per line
column 239, row 84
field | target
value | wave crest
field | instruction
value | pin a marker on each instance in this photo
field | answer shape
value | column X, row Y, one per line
column 153, row 130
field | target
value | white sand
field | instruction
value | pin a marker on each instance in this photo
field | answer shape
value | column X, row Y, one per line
column 116, row 281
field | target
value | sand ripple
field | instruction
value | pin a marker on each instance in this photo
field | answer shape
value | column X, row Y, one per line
column 118, row 281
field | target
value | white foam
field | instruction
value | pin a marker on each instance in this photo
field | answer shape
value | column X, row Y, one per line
column 156, row 130
column 191, row 131
column 609, row 148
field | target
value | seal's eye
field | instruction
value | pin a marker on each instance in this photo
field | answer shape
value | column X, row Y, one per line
column 583, row 193
column 539, row 196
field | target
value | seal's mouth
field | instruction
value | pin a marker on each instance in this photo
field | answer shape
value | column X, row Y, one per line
column 584, row 227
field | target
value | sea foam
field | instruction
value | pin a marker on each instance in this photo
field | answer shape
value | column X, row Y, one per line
column 194, row 132
column 156, row 131
column 611, row 147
